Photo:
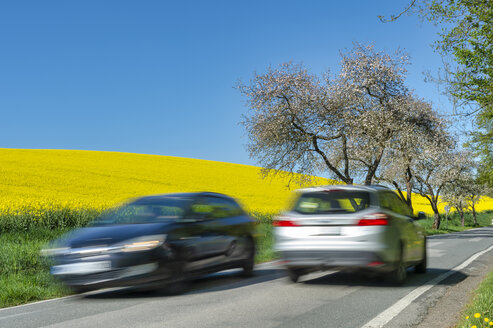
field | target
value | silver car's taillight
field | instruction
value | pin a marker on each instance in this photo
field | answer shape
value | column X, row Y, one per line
column 375, row 219
column 283, row 221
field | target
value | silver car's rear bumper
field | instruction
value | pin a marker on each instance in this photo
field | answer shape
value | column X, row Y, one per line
column 334, row 259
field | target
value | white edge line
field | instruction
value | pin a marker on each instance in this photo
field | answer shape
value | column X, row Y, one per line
column 38, row 302
column 384, row 317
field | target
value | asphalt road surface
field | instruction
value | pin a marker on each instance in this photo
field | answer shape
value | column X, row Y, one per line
column 330, row 299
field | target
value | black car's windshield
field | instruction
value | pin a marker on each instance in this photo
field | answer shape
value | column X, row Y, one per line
column 332, row 202
column 145, row 212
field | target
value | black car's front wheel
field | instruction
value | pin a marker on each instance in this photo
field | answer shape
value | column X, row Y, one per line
column 249, row 262
column 179, row 282
column 80, row 289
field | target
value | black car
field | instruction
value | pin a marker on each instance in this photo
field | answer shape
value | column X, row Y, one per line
column 156, row 241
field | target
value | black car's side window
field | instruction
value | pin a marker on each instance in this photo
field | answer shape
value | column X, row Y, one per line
column 211, row 207
column 233, row 207
column 223, row 207
column 218, row 206
column 201, row 209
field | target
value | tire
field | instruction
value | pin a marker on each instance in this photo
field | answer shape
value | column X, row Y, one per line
column 249, row 262
column 397, row 276
column 421, row 266
column 179, row 283
column 80, row 290
column 144, row 289
column 176, row 288
column 294, row 274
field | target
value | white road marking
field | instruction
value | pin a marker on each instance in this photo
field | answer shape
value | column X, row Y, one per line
column 476, row 239
column 436, row 252
column 434, row 243
column 383, row 318
column 39, row 302
column 19, row 314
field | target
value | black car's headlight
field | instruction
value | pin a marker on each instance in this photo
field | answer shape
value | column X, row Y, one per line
column 53, row 251
column 143, row 243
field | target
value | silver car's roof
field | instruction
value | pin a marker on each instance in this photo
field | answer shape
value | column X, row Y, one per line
column 370, row 188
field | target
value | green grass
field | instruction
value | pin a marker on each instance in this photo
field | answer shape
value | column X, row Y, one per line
column 481, row 306
column 24, row 219
column 265, row 238
column 454, row 223
column 24, row 275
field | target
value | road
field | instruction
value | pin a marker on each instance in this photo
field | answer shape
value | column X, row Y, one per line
column 330, row 299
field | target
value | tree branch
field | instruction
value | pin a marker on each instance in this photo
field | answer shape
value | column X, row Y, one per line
column 393, row 18
column 331, row 167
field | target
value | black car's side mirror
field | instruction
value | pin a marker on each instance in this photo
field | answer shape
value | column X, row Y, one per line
column 421, row 216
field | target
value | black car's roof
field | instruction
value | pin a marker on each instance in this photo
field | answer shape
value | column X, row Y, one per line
column 184, row 195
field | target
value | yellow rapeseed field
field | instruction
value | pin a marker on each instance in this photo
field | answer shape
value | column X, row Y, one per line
column 95, row 179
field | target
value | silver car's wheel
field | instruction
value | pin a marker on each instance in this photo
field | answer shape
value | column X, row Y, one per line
column 398, row 275
column 294, row 274
column 421, row 266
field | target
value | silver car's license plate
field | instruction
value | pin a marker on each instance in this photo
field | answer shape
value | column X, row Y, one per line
column 81, row 268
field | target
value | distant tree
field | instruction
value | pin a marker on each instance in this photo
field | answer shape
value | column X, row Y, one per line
column 438, row 168
column 475, row 190
column 456, row 195
column 398, row 166
column 344, row 126
column 464, row 194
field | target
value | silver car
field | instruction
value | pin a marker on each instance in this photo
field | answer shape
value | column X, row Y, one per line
column 354, row 227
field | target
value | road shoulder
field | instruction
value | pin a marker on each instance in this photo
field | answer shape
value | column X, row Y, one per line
column 445, row 307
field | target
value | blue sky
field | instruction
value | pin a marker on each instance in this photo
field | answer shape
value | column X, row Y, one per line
column 157, row 77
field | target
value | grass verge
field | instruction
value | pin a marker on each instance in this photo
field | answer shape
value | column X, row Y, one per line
column 453, row 223
column 479, row 312
column 24, row 275
column 265, row 238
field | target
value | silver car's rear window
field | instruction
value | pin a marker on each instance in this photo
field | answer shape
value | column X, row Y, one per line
column 334, row 201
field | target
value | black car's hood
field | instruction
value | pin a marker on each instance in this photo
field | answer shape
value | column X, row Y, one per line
column 106, row 235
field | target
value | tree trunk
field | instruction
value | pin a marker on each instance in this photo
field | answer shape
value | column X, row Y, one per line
column 409, row 201
column 373, row 167
column 436, row 223
column 461, row 212
column 474, row 215
column 346, row 178
column 409, row 187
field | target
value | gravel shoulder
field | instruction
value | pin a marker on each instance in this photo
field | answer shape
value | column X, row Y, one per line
column 447, row 304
